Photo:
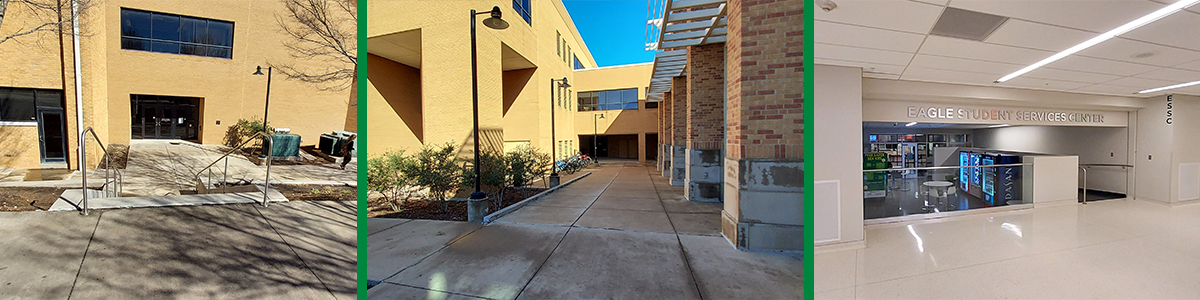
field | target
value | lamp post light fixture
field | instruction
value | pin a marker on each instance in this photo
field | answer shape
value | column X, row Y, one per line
column 554, row 179
column 596, row 132
column 493, row 22
column 266, row 107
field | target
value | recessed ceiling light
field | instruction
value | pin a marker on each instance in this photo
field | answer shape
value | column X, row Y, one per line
column 1170, row 87
column 1154, row 16
column 910, row 124
column 1001, row 125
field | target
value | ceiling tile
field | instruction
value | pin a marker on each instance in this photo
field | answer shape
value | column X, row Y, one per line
column 1124, row 50
column 935, row 2
column 944, row 46
column 1193, row 66
column 1088, row 15
column 1102, row 66
column 861, row 54
column 1067, row 75
column 1042, row 84
column 926, row 74
column 1027, row 34
column 897, row 15
column 866, row 37
column 1178, row 30
column 867, row 67
column 1142, row 83
column 965, row 65
column 1171, row 75
column 1109, row 89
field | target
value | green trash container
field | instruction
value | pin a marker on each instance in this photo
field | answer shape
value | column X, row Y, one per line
column 286, row 144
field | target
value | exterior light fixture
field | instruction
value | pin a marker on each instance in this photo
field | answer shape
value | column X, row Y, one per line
column 266, row 107
column 1171, row 87
column 1154, row 16
column 493, row 22
column 554, row 179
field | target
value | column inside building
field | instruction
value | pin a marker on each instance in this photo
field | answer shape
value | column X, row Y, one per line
column 705, row 122
column 764, row 153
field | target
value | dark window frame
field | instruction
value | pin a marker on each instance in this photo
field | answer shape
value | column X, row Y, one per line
column 215, row 48
column 49, row 98
column 524, row 10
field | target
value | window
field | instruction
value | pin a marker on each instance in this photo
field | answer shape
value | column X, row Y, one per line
column 608, row 100
column 558, row 40
column 175, row 34
column 20, row 104
column 651, row 104
column 522, row 8
column 578, row 65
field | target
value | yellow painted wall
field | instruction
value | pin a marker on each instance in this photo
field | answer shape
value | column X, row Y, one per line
column 394, row 97
column 514, row 101
column 111, row 75
column 30, row 61
column 19, row 147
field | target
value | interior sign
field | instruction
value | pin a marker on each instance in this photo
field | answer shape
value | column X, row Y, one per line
column 946, row 113
column 1169, row 109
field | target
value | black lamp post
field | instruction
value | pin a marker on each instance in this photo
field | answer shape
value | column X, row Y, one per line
column 596, row 132
column 493, row 22
column 554, row 179
column 266, row 107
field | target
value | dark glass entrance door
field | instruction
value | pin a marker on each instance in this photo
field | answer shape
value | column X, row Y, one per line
column 52, row 134
column 162, row 117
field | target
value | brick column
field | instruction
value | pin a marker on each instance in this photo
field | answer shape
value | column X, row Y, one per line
column 705, row 122
column 679, row 130
column 764, row 150
column 667, row 134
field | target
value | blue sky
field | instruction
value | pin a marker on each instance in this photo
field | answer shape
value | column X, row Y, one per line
column 614, row 30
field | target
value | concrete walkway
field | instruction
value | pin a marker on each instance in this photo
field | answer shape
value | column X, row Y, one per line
column 620, row 233
column 292, row 250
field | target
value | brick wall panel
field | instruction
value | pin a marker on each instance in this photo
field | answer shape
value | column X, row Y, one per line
column 765, row 68
column 706, row 99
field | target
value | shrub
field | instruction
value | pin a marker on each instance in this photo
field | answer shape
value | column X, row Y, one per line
column 245, row 129
column 525, row 163
column 385, row 177
column 435, row 169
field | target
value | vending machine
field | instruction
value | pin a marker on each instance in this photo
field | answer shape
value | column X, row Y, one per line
column 976, row 188
column 989, row 178
column 964, row 174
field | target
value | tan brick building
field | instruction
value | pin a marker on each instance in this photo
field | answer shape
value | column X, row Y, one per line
column 177, row 70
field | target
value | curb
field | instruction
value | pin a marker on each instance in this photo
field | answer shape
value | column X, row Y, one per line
column 507, row 210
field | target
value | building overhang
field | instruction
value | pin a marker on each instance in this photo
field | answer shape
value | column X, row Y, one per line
column 675, row 25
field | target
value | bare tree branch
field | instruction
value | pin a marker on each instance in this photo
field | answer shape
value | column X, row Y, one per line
column 52, row 16
column 323, row 35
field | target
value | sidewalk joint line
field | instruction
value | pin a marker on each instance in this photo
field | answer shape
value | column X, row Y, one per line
column 85, row 252
column 423, row 258
column 289, row 245
column 682, row 251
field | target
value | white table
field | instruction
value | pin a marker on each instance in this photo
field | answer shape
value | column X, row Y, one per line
column 943, row 187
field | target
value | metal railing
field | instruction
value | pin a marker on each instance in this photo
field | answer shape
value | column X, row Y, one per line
column 1084, row 167
column 203, row 187
column 946, row 168
column 106, row 188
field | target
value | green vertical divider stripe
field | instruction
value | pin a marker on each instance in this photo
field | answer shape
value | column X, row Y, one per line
column 808, row 149
column 361, row 82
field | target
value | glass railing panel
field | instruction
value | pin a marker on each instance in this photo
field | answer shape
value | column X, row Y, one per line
column 912, row 191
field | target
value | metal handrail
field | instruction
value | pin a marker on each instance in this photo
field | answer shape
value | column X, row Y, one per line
column 225, row 172
column 1106, row 165
column 105, row 188
column 949, row 167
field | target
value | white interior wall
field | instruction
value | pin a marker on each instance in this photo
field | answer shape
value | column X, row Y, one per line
column 1152, row 159
column 1093, row 145
column 838, row 122
column 1186, row 143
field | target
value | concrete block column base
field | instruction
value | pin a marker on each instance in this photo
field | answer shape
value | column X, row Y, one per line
column 704, row 175
column 666, row 158
column 764, row 200
column 678, row 164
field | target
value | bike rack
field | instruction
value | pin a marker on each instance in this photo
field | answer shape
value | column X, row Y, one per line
column 200, row 184
column 118, row 181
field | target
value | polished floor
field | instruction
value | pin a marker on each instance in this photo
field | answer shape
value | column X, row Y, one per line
column 1116, row 249
column 904, row 198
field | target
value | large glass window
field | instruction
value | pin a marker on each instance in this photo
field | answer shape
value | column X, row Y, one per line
column 578, row 64
column 522, row 8
column 20, row 104
column 608, row 100
column 175, row 34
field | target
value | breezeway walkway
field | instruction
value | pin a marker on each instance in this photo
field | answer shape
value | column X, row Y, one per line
column 621, row 233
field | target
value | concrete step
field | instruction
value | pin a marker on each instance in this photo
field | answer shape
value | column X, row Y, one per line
column 71, row 199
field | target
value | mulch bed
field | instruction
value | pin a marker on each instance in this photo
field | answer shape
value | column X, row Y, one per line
column 432, row 210
column 28, row 198
column 120, row 156
column 314, row 192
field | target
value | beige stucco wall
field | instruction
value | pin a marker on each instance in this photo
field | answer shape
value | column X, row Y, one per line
column 514, row 101
column 111, row 75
